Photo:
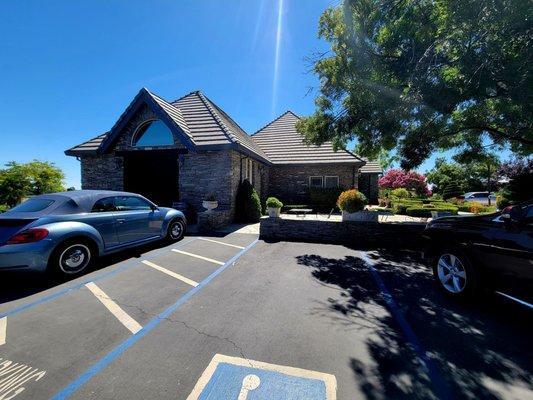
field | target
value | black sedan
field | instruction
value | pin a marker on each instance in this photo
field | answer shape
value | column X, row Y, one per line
column 495, row 251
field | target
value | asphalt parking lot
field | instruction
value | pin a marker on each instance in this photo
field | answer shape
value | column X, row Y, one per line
column 231, row 317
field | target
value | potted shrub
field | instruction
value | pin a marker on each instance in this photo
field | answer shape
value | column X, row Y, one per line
column 273, row 207
column 210, row 202
column 352, row 203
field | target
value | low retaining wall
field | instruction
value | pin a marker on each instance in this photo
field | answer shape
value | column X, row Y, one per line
column 325, row 231
column 211, row 220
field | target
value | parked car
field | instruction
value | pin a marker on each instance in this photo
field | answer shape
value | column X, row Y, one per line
column 492, row 251
column 480, row 197
column 66, row 232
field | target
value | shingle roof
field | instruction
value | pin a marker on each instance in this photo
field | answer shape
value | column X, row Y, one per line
column 205, row 125
column 371, row 167
column 91, row 146
column 210, row 123
column 283, row 144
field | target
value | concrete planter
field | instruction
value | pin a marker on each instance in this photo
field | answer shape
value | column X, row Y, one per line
column 368, row 216
column 273, row 212
column 209, row 205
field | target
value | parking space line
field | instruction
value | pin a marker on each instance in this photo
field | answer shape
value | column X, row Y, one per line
column 226, row 244
column 127, row 265
column 197, row 256
column 74, row 385
column 114, row 308
column 173, row 274
column 3, row 330
column 439, row 387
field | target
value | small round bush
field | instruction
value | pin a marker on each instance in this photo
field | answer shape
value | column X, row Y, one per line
column 352, row 201
column 274, row 202
column 400, row 193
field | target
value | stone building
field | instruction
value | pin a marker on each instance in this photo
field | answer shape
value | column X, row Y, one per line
column 189, row 148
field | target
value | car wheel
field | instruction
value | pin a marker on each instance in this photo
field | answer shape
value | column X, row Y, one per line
column 71, row 258
column 176, row 230
column 454, row 274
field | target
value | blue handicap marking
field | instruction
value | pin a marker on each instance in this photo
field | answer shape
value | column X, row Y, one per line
column 232, row 378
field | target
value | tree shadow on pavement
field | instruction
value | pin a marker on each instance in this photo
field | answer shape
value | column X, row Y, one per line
column 480, row 350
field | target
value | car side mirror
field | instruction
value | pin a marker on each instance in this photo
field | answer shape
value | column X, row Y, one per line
column 512, row 214
column 153, row 207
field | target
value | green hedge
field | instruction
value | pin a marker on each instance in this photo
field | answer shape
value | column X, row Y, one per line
column 3, row 208
column 425, row 211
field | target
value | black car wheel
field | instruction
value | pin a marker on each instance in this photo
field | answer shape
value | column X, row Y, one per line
column 454, row 274
column 72, row 258
column 176, row 230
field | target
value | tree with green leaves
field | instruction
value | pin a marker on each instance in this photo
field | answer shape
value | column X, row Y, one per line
column 419, row 76
column 21, row 180
column 443, row 173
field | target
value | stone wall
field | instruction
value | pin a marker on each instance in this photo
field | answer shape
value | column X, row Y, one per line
column 350, row 233
column 207, row 172
column 102, row 173
column 291, row 183
column 211, row 220
column 368, row 184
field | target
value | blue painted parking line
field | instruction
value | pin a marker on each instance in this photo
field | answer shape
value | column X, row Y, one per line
column 439, row 387
column 242, row 379
column 127, row 265
column 121, row 348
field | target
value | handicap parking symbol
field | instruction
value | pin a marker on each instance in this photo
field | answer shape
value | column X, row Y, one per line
column 232, row 378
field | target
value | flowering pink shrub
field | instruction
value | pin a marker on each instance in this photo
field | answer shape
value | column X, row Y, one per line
column 412, row 181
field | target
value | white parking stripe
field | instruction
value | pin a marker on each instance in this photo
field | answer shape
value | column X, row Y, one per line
column 173, row 274
column 197, row 256
column 114, row 308
column 3, row 330
column 216, row 241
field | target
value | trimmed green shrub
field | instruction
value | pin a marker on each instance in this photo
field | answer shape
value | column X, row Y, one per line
column 425, row 212
column 326, row 197
column 451, row 190
column 400, row 193
column 274, row 202
column 248, row 205
column 352, row 201
column 3, row 208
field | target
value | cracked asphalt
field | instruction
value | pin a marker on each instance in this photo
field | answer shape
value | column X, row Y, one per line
column 309, row 306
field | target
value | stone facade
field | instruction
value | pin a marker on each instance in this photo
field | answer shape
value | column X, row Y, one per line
column 203, row 173
column 212, row 220
column 104, row 172
column 291, row 183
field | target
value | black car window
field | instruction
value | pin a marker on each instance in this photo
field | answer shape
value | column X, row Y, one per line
column 131, row 203
column 104, row 205
column 33, row 205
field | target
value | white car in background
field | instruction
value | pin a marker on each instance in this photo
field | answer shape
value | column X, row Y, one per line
column 480, row 197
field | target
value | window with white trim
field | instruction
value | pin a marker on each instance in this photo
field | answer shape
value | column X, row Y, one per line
column 316, row 181
column 248, row 170
column 331, row 181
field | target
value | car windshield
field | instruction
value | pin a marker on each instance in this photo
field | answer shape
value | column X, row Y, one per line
column 33, row 205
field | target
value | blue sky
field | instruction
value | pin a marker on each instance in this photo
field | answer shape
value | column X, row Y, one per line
column 69, row 68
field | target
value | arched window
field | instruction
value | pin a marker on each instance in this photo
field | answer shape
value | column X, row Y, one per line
column 153, row 133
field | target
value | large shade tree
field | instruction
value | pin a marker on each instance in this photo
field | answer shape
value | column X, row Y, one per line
column 422, row 75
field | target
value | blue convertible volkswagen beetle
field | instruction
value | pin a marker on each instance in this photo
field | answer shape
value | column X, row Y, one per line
column 66, row 232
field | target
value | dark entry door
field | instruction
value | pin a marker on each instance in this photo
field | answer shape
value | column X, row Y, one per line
column 152, row 174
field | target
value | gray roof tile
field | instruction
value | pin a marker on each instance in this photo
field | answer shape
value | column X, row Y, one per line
column 283, row 144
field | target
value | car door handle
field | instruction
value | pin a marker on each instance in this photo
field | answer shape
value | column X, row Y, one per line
column 120, row 220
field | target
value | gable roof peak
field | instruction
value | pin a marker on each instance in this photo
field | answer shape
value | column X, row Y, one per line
column 276, row 120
